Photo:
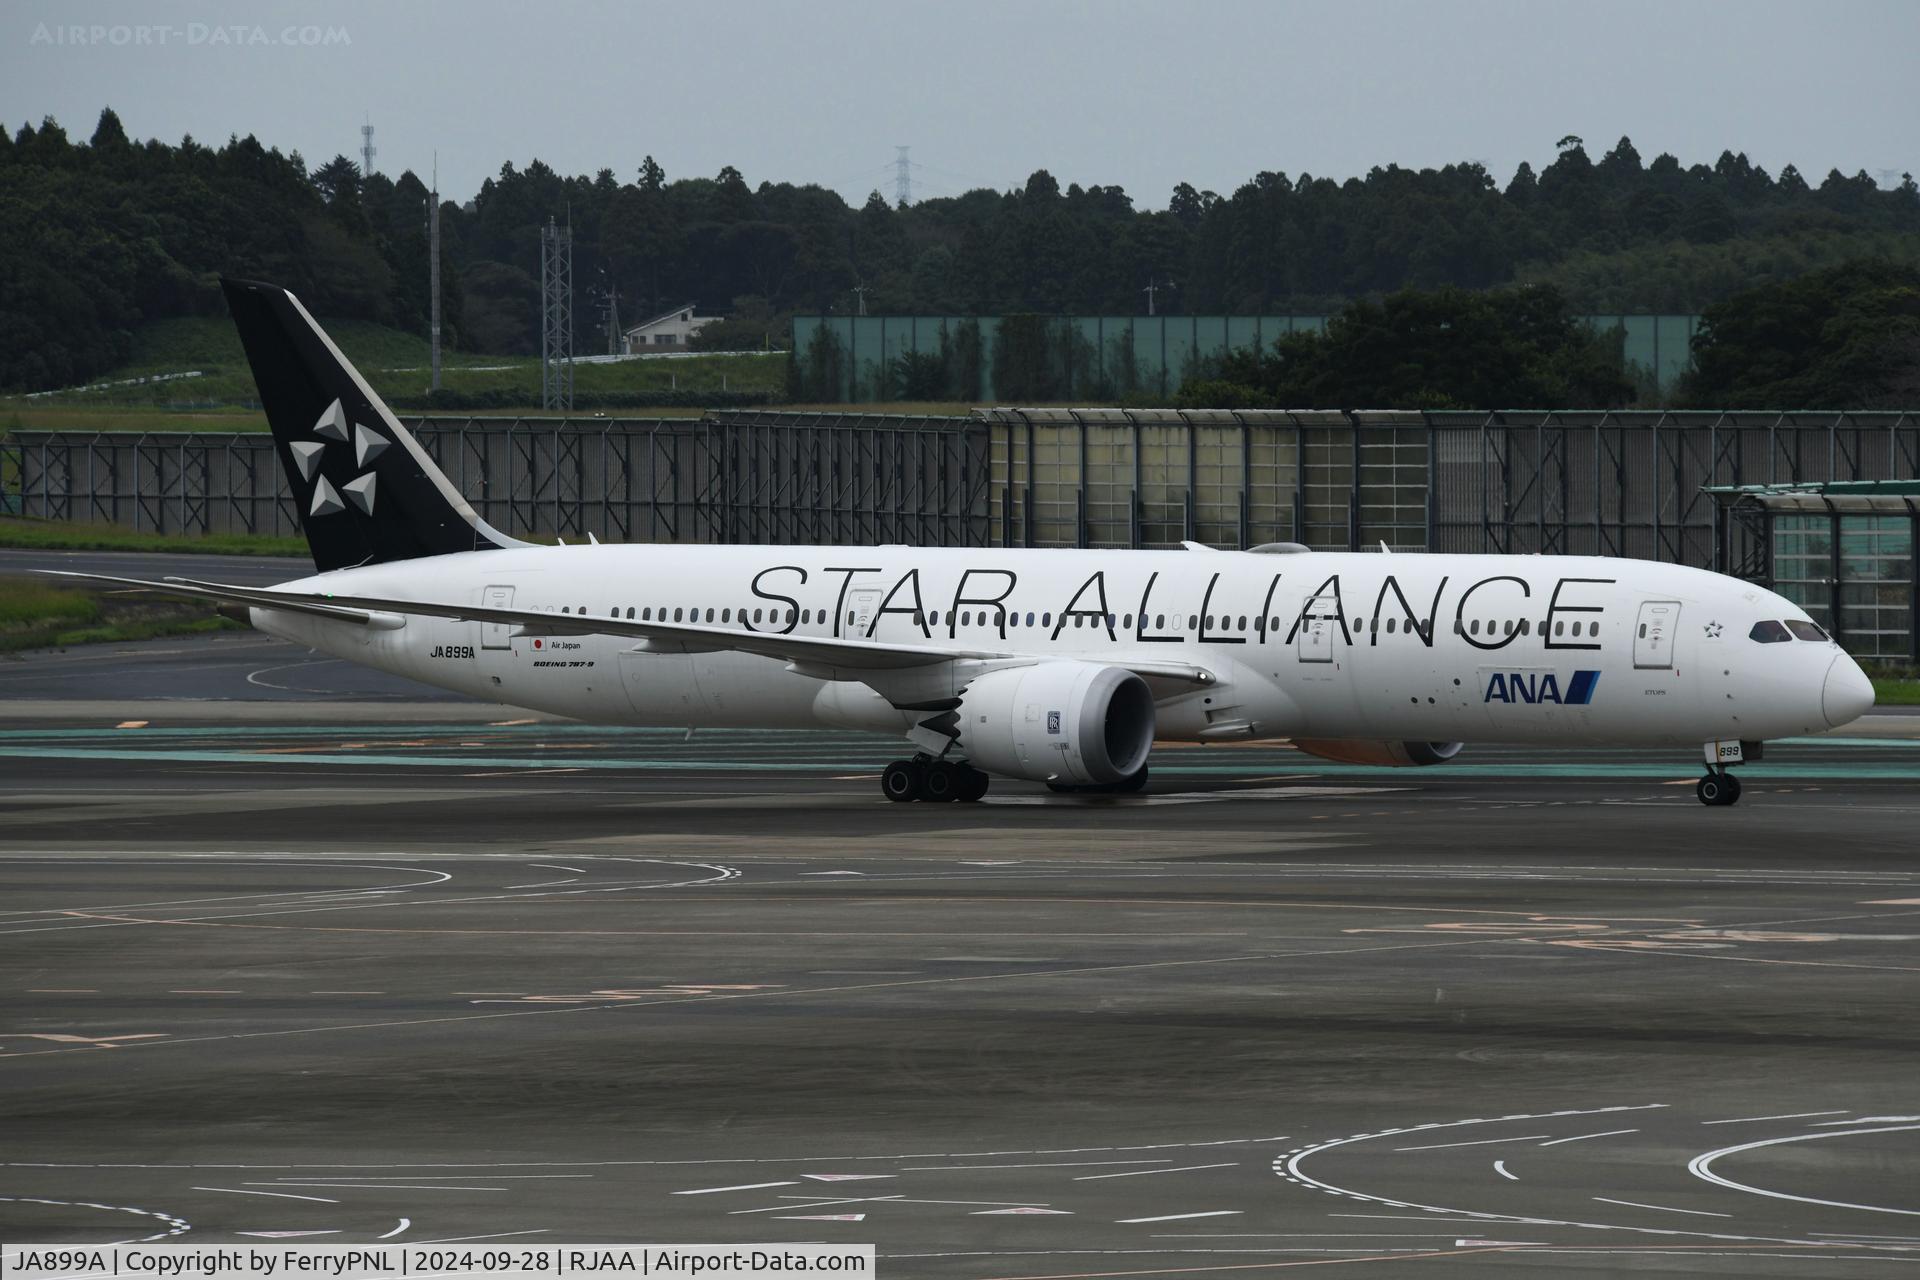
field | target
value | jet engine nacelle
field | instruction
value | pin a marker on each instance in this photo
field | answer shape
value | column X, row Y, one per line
column 1360, row 751
column 1071, row 722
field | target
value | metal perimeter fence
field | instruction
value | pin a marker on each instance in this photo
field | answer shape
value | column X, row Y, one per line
column 1624, row 483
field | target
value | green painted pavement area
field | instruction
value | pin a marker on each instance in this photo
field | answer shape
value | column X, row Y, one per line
column 801, row 751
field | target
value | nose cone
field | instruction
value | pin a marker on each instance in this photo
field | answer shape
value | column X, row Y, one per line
column 1848, row 693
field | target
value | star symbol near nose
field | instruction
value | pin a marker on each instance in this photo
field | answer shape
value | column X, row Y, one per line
column 1713, row 630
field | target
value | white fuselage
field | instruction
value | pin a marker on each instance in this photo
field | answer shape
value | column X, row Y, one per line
column 1443, row 648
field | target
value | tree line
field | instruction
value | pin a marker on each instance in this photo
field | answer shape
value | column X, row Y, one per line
column 97, row 238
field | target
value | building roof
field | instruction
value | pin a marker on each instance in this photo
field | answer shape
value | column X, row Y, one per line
column 669, row 314
column 1862, row 497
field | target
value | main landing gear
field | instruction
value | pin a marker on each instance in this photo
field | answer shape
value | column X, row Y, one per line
column 1718, row 788
column 940, row 781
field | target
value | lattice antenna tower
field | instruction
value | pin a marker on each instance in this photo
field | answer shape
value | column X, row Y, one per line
column 367, row 151
column 902, row 177
column 556, row 316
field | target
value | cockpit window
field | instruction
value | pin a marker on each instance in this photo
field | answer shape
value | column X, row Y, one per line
column 1769, row 632
column 1807, row 630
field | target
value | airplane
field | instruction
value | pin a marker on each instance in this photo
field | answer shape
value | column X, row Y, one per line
column 1053, row 666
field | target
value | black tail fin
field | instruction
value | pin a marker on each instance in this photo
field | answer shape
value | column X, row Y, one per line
column 367, row 492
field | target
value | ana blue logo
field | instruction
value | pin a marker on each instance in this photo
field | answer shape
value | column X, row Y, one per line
column 1541, row 686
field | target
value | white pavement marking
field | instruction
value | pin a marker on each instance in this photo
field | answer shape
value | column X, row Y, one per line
column 1701, row 1167
column 1500, row 1167
column 1664, row 1208
column 381, row 1186
column 497, row 1235
column 280, row 1195
column 1067, row 1164
column 1824, row 1124
column 745, row 1186
column 404, row 1224
column 1797, row 1115
column 1582, row 1137
column 1483, row 1142
column 1141, row 1173
column 847, row 1177
column 1181, row 1217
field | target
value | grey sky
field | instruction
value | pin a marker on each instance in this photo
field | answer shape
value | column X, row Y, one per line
column 1143, row 93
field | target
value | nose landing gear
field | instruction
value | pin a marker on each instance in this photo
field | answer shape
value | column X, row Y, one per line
column 1718, row 789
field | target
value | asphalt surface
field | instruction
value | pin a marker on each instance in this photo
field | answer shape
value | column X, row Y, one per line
column 525, row 981
column 372, row 968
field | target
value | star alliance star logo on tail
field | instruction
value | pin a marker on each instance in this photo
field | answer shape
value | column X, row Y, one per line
column 367, row 445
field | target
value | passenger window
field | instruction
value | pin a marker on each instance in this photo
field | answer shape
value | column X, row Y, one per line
column 1593, row 628
column 676, row 615
column 1769, row 632
column 1159, row 622
column 1475, row 628
column 629, row 611
column 1273, row 624
column 646, row 614
column 1029, row 619
column 726, row 615
column 1193, row 622
column 1806, row 630
column 1013, row 619
column 1643, row 631
column 1046, row 619
column 1243, row 622
column 1560, row 628
column 1391, row 623
column 1456, row 626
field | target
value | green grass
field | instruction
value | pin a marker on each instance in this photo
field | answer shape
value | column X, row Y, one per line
column 1892, row 691
column 392, row 360
column 53, row 535
column 33, row 602
column 38, row 614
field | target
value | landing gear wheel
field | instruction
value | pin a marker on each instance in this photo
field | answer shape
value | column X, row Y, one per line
column 1718, row 789
column 973, row 785
column 903, row 780
column 943, row 781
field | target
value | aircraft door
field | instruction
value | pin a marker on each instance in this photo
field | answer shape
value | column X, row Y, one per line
column 861, row 602
column 493, row 635
column 1653, row 635
column 1314, row 642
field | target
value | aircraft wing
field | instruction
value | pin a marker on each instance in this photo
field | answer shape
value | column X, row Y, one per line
column 815, row 653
